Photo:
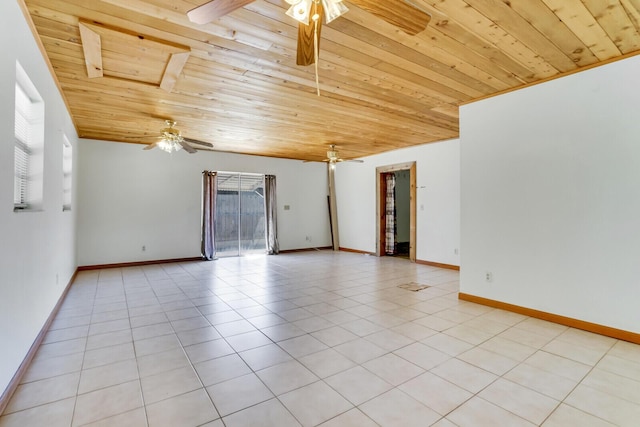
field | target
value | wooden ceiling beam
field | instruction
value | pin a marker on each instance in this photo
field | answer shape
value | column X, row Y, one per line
column 92, row 48
column 173, row 70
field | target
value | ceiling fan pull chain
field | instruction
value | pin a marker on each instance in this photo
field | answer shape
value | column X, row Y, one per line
column 316, row 18
column 315, row 48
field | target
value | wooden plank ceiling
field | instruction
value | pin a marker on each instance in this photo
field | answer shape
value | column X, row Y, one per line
column 234, row 82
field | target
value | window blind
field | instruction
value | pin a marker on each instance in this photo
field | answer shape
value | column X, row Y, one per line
column 22, row 150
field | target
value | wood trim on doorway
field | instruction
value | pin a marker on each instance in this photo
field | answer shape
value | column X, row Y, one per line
column 381, row 193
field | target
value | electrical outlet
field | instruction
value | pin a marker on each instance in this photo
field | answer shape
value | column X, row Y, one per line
column 455, row 251
column 144, row 248
column 488, row 277
column 307, row 238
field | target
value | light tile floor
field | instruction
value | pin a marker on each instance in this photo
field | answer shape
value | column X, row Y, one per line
column 312, row 338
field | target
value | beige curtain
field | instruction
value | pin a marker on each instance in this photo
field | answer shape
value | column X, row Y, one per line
column 271, row 208
column 209, row 191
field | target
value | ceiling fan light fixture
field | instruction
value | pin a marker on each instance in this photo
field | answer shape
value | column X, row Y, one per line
column 301, row 11
column 169, row 145
column 333, row 9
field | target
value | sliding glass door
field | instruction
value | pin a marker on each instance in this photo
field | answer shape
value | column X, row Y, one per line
column 240, row 214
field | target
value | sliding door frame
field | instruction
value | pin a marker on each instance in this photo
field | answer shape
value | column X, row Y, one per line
column 240, row 176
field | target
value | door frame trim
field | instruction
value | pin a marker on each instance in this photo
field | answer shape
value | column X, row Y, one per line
column 381, row 191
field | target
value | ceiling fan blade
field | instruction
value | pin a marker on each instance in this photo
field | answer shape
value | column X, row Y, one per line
column 150, row 146
column 400, row 13
column 355, row 161
column 214, row 9
column 189, row 149
column 305, row 55
column 195, row 141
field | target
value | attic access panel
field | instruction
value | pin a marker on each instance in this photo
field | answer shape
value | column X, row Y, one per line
column 118, row 53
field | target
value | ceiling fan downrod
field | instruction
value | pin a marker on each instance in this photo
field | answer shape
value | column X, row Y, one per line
column 316, row 18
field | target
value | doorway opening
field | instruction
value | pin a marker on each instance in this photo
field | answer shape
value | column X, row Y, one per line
column 240, row 215
column 396, row 205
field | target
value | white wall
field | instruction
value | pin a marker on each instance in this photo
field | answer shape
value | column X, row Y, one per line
column 551, row 196
column 438, row 195
column 130, row 198
column 37, row 249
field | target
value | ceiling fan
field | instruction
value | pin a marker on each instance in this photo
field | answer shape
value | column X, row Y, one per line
column 333, row 157
column 171, row 140
column 309, row 14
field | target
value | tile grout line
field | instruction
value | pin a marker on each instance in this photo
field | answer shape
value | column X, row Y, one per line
column 84, row 353
column 126, row 299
